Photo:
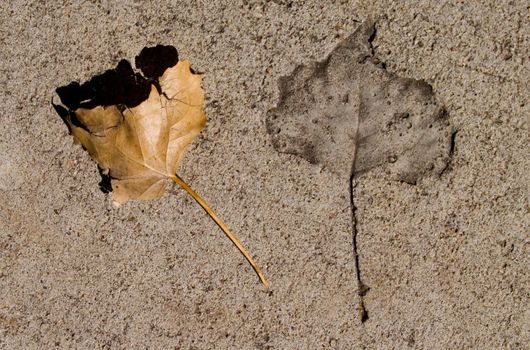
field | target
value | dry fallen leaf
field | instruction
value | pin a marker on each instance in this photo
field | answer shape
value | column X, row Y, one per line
column 137, row 129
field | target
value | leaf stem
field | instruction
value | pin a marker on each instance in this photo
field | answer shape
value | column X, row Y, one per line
column 223, row 227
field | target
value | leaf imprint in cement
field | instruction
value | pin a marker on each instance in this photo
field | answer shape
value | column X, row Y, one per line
column 348, row 114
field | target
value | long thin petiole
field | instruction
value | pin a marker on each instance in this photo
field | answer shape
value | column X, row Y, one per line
column 223, row 227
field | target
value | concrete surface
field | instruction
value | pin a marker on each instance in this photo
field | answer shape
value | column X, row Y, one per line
column 446, row 260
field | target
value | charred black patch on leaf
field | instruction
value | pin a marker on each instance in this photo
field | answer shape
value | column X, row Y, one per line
column 105, row 185
column 120, row 85
column 153, row 61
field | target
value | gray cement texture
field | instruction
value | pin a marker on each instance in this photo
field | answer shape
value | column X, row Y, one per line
column 446, row 259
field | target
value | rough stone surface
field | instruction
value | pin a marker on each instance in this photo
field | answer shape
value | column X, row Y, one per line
column 446, row 260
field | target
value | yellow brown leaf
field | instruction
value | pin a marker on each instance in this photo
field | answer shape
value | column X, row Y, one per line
column 140, row 142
